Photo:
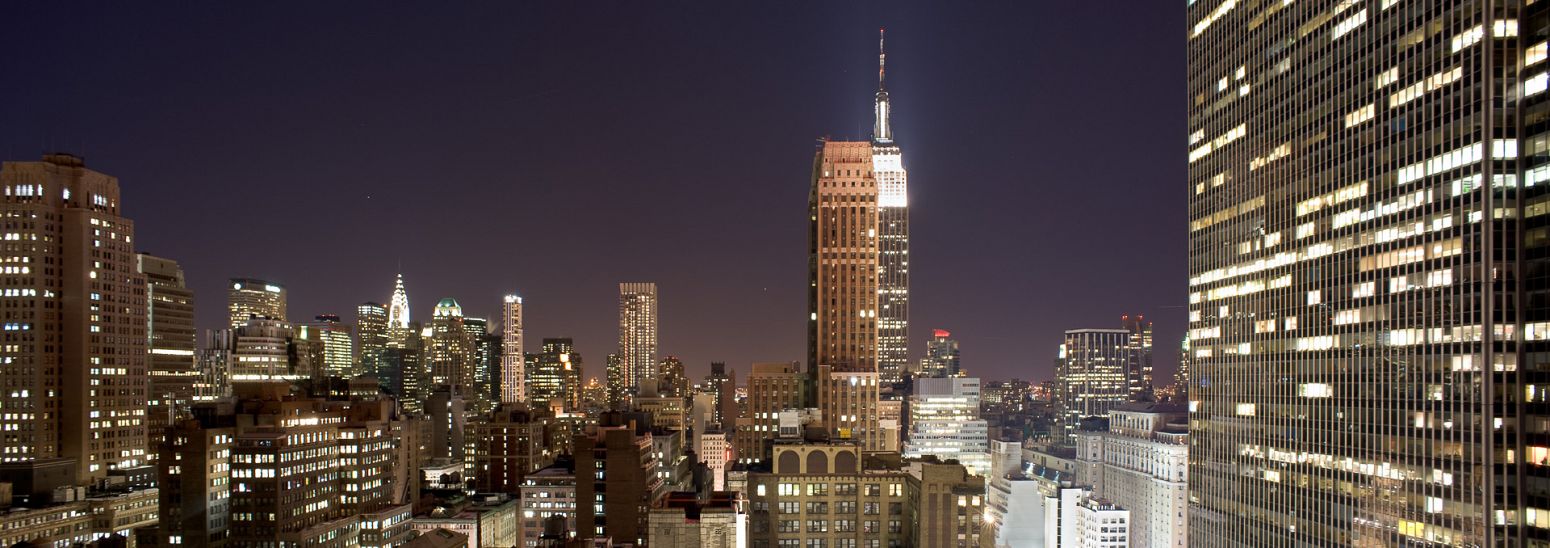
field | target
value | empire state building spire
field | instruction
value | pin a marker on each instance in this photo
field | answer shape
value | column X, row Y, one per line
column 881, row 133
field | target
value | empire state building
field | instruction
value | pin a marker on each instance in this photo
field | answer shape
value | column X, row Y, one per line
column 893, row 238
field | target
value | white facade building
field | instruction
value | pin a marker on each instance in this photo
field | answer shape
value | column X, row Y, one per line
column 716, row 452
column 945, row 423
column 1142, row 464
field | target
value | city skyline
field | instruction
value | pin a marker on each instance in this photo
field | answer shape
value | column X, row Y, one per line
column 969, row 142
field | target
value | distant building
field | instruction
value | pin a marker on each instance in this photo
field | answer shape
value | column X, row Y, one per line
column 251, row 298
column 671, row 380
column 371, row 338
column 554, row 379
column 721, row 382
column 941, row 356
column 338, row 350
column 513, row 366
column 638, row 337
column 1091, row 376
column 173, row 368
column 1139, row 373
column 451, row 357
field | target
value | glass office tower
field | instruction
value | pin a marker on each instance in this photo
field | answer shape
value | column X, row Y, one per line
column 1367, row 273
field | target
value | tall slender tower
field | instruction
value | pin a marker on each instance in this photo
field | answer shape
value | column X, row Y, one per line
column 513, row 377
column 1367, row 259
column 638, row 336
column 75, row 326
column 893, row 237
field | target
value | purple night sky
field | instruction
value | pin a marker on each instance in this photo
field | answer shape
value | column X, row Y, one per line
column 558, row 150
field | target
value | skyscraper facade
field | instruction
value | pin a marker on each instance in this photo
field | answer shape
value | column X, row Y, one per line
column 945, row 422
column 555, row 379
column 893, row 238
column 638, row 336
column 252, row 298
column 338, row 348
column 842, row 289
column 1366, row 187
column 671, row 380
column 170, row 338
column 513, row 381
column 371, row 337
column 75, row 330
column 942, row 357
column 1139, row 374
column 1091, row 376
column 451, row 350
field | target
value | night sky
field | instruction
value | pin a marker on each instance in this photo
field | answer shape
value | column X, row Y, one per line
column 557, row 152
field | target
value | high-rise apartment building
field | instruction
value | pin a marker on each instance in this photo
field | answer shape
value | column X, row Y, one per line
column 945, row 423
column 1366, row 187
column 371, row 338
column 942, row 358
column 893, row 237
column 638, row 336
column 75, row 330
column 174, row 371
column 513, row 377
column 250, row 298
column 1091, row 376
column 1139, row 374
